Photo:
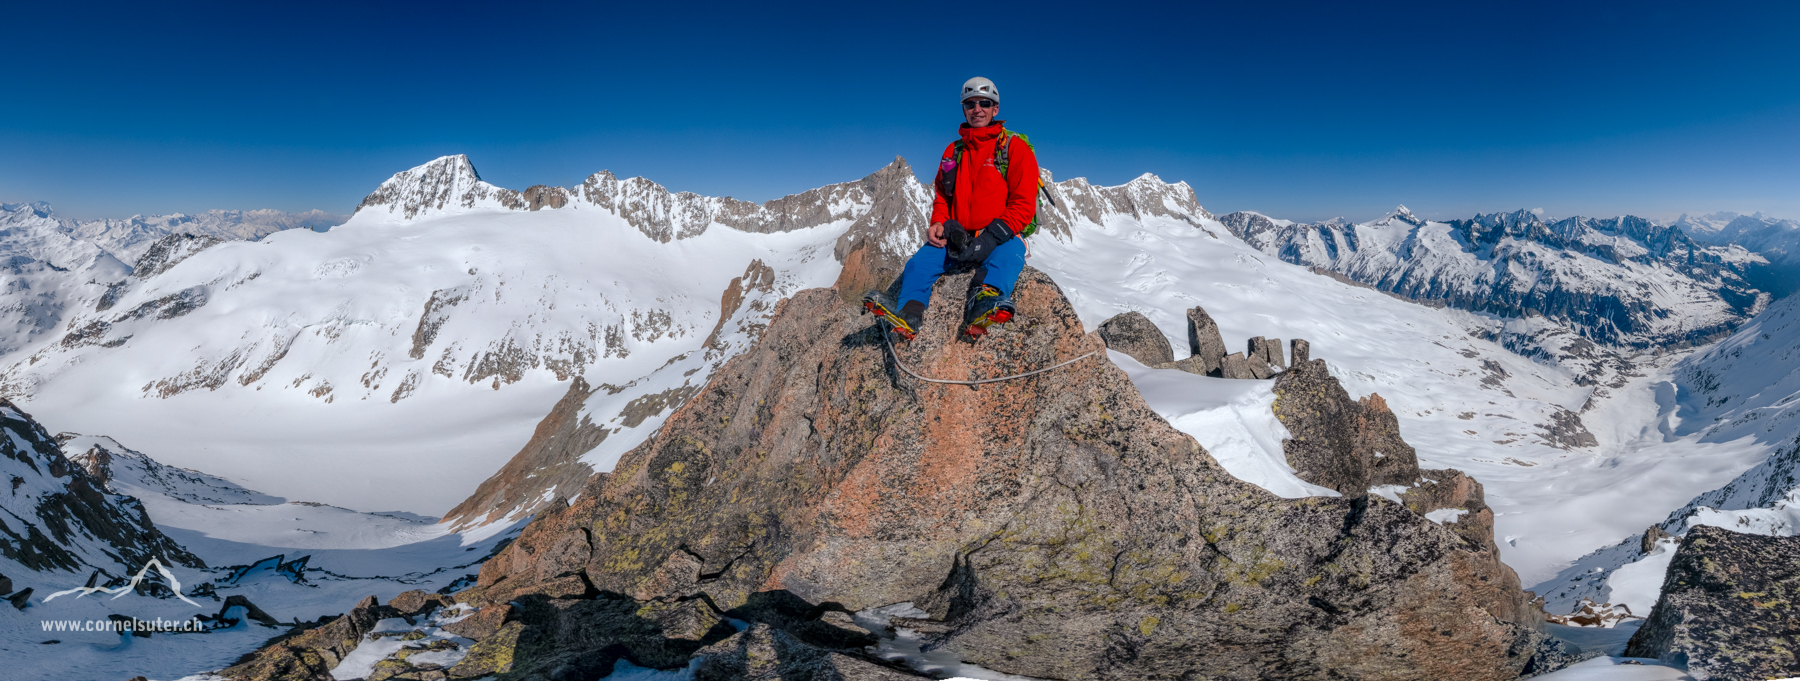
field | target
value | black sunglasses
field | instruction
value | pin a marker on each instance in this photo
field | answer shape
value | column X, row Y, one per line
column 983, row 103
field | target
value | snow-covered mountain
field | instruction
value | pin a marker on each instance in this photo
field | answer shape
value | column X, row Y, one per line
column 1623, row 282
column 293, row 560
column 52, row 264
column 1775, row 239
column 128, row 238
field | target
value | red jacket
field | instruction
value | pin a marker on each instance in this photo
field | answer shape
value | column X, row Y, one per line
column 983, row 195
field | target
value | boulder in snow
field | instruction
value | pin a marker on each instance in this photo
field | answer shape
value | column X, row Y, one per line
column 1133, row 334
column 1727, row 607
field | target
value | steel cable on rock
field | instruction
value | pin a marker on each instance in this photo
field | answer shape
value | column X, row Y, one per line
column 888, row 339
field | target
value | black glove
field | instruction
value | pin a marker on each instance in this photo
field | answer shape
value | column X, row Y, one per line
column 977, row 247
column 955, row 238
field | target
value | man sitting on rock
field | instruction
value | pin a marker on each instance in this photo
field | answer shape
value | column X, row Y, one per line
column 987, row 186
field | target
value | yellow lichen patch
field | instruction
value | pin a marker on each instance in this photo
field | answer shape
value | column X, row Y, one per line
column 1232, row 607
column 1148, row 625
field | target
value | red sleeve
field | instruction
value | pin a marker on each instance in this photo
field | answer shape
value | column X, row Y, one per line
column 1021, row 186
column 940, row 211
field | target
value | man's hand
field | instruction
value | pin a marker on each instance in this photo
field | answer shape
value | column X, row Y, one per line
column 935, row 235
column 982, row 244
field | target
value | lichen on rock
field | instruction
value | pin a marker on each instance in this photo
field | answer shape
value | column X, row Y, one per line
column 1727, row 609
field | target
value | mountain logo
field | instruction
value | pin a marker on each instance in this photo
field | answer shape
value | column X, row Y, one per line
column 174, row 584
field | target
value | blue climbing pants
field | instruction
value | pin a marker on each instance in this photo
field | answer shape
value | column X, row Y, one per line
column 1000, row 271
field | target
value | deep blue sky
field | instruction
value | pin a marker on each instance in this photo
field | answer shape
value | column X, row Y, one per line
column 1303, row 111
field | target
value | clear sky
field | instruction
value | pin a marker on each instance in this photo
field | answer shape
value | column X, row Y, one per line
column 1304, row 111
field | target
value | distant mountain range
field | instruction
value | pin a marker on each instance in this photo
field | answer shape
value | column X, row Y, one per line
column 1621, row 281
column 1775, row 239
column 128, row 238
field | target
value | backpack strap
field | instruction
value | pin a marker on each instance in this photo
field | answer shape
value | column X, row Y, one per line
column 1002, row 149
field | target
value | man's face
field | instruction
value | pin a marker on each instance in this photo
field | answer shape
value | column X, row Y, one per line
column 980, row 111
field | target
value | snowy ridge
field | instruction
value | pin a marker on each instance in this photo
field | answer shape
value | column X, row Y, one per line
column 450, row 185
column 59, row 519
column 1747, row 388
column 1620, row 281
column 52, row 266
column 126, row 471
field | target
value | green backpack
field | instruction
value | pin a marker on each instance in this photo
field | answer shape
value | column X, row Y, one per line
column 1002, row 149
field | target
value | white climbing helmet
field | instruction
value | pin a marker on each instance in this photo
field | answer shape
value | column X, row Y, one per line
column 980, row 87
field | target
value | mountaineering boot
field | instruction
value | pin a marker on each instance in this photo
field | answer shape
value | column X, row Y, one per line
column 905, row 322
column 986, row 308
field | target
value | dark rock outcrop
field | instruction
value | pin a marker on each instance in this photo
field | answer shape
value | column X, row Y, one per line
column 1302, row 351
column 309, row 654
column 1338, row 442
column 1652, row 535
column 1728, row 607
column 1267, row 351
column 1236, row 366
column 1080, row 536
column 1134, row 334
column 1206, row 347
column 56, row 516
column 1353, row 445
column 169, row 251
column 764, row 653
column 310, row 651
column 20, row 599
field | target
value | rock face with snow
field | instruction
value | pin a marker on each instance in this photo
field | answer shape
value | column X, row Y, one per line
column 1620, row 281
column 1338, row 442
column 1727, row 607
column 547, row 468
column 59, row 519
column 1077, row 535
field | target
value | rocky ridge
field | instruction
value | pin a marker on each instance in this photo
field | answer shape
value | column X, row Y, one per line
column 59, row 522
column 1079, row 537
